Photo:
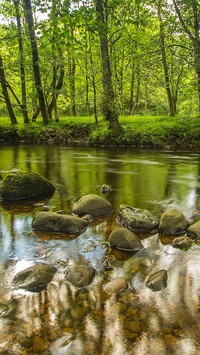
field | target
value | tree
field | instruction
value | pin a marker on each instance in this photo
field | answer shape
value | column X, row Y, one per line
column 22, row 65
column 171, row 104
column 35, row 60
column 5, row 93
column 110, row 109
column 192, row 29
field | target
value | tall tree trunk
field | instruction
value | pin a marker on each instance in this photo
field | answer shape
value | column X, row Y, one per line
column 87, row 76
column 72, row 71
column 35, row 60
column 165, row 64
column 132, row 88
column 5, row 93
column 93, row 83
column 195, row 38
column 137, row 96
column 110, row 109
column 56, row 89
column 22, row 67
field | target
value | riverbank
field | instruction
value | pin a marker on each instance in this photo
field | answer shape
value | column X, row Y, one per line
column 155, row 132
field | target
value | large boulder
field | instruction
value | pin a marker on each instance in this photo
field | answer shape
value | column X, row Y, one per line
column 137, row 220
column 173, row 222
column 80, row 275
column 124, row 239
column 92, row 204
column 55, row 222
column 21, row 186
column 194, row 230
column 34, row 278
column 157, row 281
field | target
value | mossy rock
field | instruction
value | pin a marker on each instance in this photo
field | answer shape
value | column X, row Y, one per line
column 124, row 239
column 80, row 275
column 22, row 186
column 55, row 222
column 92, row 204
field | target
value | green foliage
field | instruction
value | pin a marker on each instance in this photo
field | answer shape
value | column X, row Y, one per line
column 69, row 30
column 138, row 131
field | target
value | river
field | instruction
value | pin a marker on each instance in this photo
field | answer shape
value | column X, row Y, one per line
column 63, row 319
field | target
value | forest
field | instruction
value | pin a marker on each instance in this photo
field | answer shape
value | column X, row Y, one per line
column 97, row 58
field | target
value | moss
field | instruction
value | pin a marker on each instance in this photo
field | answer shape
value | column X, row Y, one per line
column 25, row 186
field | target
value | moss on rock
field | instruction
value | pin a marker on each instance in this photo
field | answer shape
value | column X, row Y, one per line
column 25, row 186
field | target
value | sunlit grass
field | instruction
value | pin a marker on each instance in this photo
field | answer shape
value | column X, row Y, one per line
column 144, row 130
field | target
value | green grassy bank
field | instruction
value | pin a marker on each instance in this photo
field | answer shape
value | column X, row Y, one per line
column 138, row 131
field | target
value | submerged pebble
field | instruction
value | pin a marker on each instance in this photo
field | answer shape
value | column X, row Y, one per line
column 116, row 285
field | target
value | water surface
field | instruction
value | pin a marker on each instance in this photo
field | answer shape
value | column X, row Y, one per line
column 66, row 320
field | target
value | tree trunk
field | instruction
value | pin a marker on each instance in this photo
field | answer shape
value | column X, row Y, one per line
column 93, row 84
column 132, row 88
column 56, row 89
column 5, row 93
column 137, row 96
column 195, row 38
column 110, row 109
column 35, row 60
column 72, row 71
column 164, row 62
column 196, row 43
column 22, row 67
column 87, row 77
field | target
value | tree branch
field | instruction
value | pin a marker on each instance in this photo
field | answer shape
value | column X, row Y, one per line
column 189, row 33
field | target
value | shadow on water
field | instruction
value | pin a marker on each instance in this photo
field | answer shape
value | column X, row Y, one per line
column 64, row 319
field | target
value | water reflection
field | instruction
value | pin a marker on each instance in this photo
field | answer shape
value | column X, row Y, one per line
column 63, row 319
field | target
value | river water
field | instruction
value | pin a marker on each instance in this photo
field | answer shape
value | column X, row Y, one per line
column 63, row 319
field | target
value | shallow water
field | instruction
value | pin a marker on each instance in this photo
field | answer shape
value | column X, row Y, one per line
column 66, row 320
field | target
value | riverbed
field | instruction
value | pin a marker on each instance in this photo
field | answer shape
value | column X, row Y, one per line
column 64, row 319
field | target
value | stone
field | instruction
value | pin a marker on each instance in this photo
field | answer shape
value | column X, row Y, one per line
column 124, row 239
column 22, row 186
column 78, row 312
column 92, row 204
column 105, row 189
column 80, row 275
column 157, row 281
column 35, row 278
column 55, row 222
column 137, row 220
column 38, row 344
column 194, row 230
column 183, row 243
column 173, row 222
column 61, row 345
column 133, row 326
column 116, row 285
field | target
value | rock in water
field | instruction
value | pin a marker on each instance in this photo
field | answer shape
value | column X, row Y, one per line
column 116, row 285
column 35, row 278
column 105, row 189
column 137, row 220
column 194, row 230
column 80, row 275
column 21, row 186
column 172, row 222
column 124, row 239
column 157, row 281
column 55, row 222
column 92, row 204
column 183, row 243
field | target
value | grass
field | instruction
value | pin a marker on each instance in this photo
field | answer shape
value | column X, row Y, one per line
column 146, row 131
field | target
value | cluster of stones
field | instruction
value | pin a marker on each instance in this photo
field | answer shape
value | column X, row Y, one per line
column 133, row 221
